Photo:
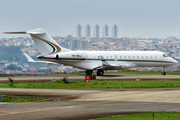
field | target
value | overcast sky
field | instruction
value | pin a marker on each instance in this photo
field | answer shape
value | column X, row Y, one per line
column 134, row 18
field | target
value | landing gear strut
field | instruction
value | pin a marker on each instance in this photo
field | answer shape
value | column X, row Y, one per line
column 100, row 72
column 163, row 71
column 89, row 72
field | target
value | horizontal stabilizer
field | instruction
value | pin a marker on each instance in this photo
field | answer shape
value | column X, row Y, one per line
column 22, row 32
column 31, row 60
column 32, row 32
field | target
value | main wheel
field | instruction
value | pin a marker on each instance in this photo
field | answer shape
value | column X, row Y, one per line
column 100, row 72
column 89, row 72
column 163, row 73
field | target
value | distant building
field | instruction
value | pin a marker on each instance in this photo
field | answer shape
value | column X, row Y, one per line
column 88, row 31
column 73, row 44
column 82, row 44
column 96, row 31
column 105, row 31
column 78, row 30
column 114, row 31
column 78, row 44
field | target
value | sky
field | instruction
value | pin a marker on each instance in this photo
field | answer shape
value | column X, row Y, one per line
column 134, row 18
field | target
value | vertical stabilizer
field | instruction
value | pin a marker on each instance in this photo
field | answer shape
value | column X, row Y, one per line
column 45, row 43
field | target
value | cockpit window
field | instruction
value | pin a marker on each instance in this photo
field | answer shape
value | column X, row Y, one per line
column 164, row 55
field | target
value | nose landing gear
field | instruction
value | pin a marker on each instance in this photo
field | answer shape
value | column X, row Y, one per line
column 163, row 71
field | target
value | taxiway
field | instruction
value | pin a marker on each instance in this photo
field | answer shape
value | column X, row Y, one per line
column 82, row 77
column 75, row 104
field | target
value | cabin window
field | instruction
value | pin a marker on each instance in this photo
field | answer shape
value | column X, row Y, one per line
column 129, row 57
column 146, row 57
column 164, row 55
column 111, row 57
column 107, row 57
column 98, row 57
column 137, row 57
column 133, row 57
column 151, row 57
column 142, row 57
column 156, row 57
column 120, row 57
column 94, row 56
column 124, row 57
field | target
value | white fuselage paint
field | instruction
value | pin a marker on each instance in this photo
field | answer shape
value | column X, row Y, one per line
column 91, row 60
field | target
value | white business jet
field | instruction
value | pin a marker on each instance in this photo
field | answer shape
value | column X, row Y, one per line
column 95, row 60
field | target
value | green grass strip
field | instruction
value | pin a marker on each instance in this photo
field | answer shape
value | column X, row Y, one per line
column 96, row 84
column 145, row 116
column 12, row 98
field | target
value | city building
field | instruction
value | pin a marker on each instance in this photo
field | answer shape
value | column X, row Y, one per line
column 88, row 31
column 78, row 30
column 114, row 31
column 96, row 31
column 105, row 31
column 73, row 44
column 82, row 44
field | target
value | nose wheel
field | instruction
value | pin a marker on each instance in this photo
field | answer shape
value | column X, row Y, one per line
column 163, row 71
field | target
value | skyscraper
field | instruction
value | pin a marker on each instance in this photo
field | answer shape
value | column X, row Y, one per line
column 114, row 31
column 105, row 31
column 96, row 31
column 78, row 30
column 88, row 31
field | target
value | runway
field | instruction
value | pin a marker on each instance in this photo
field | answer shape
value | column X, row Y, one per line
column 90, row 103
column 82, row 77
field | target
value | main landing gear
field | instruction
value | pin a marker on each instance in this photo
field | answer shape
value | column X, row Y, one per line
column 89, row 72
column 100, row 72
column 163, row 71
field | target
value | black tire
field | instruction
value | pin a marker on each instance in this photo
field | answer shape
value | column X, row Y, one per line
column 89, row 72
column 100, row 72
column 163, row 73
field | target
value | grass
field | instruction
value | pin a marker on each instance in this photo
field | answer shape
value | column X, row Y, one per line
column 145, row 116
column 12, row 98
column 4, row 75
column 177, row 72
column 64, row 83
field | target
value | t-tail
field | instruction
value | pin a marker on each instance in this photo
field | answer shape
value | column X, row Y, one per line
column 45, row 43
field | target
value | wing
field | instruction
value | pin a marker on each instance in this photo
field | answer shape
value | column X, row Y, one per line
column 116, row 65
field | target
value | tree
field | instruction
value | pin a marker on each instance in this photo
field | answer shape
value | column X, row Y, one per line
column 13, row 67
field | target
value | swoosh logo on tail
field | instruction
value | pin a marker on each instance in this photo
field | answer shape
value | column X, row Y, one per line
column 58, row 49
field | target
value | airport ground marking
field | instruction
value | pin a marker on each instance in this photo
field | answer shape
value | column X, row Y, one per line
column 82, row 105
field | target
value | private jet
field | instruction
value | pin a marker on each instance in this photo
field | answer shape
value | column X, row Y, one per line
column 52, row 52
